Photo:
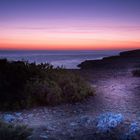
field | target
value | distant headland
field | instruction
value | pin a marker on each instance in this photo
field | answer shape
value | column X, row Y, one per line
column 124, row 59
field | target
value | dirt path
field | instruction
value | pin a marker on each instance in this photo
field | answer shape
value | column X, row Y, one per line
column 116, row 91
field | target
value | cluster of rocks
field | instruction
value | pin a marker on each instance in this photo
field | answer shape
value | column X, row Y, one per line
column 9, row 118
column 106, row 125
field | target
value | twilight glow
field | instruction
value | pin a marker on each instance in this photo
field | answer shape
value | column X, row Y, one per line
column 69, row 24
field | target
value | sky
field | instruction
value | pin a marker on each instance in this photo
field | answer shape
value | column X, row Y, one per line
column 69, row 24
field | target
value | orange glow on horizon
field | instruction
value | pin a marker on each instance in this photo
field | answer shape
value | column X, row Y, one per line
column 27, row 39
column 107, row 46
column 69, row 25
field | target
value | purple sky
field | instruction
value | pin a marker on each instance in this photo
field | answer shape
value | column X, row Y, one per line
column 69, row 16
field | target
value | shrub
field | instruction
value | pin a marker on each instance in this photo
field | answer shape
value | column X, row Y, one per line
column 42, row 93
column 136, row 73
column 62, row 86
column 11, row 132
column 74, row 88
column 24, row 84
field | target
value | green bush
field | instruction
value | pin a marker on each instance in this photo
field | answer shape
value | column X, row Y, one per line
column 11, row 132
column 24, row 84
column 42, row 93
column 63, row 86
column 74, row 88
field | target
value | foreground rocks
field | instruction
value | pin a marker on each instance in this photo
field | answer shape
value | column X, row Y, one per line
column 113, row 114
column 112, row 126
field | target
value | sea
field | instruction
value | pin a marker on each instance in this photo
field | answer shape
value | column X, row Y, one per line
column 67, row 59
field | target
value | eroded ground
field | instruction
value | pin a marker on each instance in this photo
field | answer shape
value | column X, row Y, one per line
column 117, row 91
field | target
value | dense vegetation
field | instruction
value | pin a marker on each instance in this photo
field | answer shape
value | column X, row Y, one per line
column 24, row 84
column 12, row 132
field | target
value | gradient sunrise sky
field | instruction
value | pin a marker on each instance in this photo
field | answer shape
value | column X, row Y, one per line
column 69, row 24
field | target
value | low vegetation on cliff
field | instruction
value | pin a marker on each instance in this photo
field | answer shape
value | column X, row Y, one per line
column 24, row 84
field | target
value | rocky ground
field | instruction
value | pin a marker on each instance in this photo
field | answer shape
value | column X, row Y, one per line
column 114, row 109
column 116, row 101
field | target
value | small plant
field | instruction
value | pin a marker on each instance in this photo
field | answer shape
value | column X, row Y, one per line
column 136, row 73
column 12, row 132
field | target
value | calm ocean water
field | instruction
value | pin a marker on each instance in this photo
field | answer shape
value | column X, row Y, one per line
column 68, row 59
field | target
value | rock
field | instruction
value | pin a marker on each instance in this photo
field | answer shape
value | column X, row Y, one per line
column 133, row 132
column 51, row 128
column 20, row 118
column 84, row 119
column 9, row 118
column 73, row 124
column 30, row 115
column 54, row 111
column 44, row 136
column 109, row 120
column 18, row 114
column 134, row 127
column 74, row 111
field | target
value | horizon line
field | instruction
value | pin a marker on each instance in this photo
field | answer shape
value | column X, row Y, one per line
column 107, row 49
